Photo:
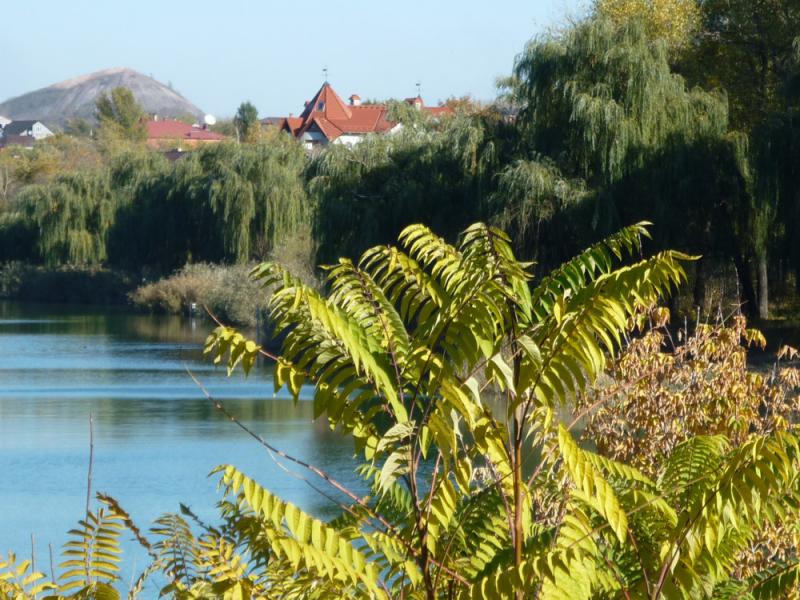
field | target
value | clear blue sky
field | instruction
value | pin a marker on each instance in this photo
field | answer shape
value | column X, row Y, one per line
column 218, row 53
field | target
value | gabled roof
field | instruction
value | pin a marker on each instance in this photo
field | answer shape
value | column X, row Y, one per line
column 327, row 113
column 328, row 103
column 170, row 129
column 18, row 127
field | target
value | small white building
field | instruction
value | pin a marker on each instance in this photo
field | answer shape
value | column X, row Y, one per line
column 4, row 121
column 23, row 133
column 35, row 129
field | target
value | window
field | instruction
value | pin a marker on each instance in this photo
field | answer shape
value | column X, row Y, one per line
column 320, row 105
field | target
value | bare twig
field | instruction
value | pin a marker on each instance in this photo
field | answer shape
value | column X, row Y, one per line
column 33, row 559
column 52, row 568
column 317, row 471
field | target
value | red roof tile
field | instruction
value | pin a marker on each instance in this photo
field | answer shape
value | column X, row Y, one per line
column 438, row 111
column 169, row 129
column 328, row 113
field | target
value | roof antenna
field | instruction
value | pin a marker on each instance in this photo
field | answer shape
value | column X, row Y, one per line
column 325, row 73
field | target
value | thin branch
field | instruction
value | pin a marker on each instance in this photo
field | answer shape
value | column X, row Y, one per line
column 317, row 471
column 52, row 568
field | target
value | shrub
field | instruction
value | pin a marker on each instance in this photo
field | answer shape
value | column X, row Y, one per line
column 226, row 290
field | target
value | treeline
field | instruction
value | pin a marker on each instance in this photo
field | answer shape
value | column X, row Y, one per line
column 681, row 113
column 136, row 211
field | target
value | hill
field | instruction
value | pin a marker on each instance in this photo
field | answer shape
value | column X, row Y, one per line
column 58, row 103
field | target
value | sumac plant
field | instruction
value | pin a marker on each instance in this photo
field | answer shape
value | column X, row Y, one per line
column 452, row 371
column 449, row 368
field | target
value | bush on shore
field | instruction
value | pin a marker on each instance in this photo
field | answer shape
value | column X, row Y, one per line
column 226, row 290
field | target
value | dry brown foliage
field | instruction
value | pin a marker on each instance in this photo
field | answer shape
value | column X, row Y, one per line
column 662, row 391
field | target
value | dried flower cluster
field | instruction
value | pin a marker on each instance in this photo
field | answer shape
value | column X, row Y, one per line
column 662, row 393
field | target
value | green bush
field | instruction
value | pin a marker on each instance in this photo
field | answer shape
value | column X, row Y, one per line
column 225, row 290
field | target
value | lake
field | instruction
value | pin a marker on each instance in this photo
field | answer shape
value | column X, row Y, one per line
column 156, row 437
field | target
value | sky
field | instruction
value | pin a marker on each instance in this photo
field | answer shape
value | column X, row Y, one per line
column 272, row 53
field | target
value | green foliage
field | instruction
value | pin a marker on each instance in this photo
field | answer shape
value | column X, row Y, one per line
column 223, row 203
column 18, row 580
column 436, row 173
column 79, row 127
column 393, row 353
column 246, row 121
column 120, row 116
column 73, row 216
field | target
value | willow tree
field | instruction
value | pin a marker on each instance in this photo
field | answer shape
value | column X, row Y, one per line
column 73, row 216
column 223, row 203
column 436, row 172
column 609, row 134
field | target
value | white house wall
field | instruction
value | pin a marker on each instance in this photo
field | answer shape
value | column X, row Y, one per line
column 40, row 131
column 348, row 140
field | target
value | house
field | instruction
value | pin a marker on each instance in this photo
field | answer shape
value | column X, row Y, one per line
column 4, row 121
column 433, row 111
column 327, row 119
column 163, row 133
column 23, row 133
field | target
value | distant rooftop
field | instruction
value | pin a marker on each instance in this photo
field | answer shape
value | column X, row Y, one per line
column 327, row 114
column 19, row 127
column 169, row 129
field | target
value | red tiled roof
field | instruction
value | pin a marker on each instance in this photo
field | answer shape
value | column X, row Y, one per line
column 169, row 129
column 370, row 118
column 329, row 114
column 438, row 111
column 328, row 103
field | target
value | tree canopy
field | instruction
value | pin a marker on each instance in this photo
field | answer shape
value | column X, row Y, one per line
column 120, row 115
column 246, row 121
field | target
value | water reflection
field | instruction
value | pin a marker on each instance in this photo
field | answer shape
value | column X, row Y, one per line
column 156, row 437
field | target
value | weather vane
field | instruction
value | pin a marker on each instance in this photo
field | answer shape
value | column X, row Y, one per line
column 325, row 73
column 419, row 89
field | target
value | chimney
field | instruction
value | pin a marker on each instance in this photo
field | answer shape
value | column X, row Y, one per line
column 155, row 117
column 355, row 100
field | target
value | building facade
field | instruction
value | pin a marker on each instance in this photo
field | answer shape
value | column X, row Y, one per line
column 23, row 133
column 327, row 119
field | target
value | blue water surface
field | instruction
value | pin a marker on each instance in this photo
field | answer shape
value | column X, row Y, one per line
column 156, row 437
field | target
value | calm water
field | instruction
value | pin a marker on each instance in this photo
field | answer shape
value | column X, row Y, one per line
column 155, row 436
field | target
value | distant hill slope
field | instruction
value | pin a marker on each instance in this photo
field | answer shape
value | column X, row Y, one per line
column 56, row 104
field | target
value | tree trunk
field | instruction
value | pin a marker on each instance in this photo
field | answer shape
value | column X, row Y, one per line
column 747, row 294
column 763, row 287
